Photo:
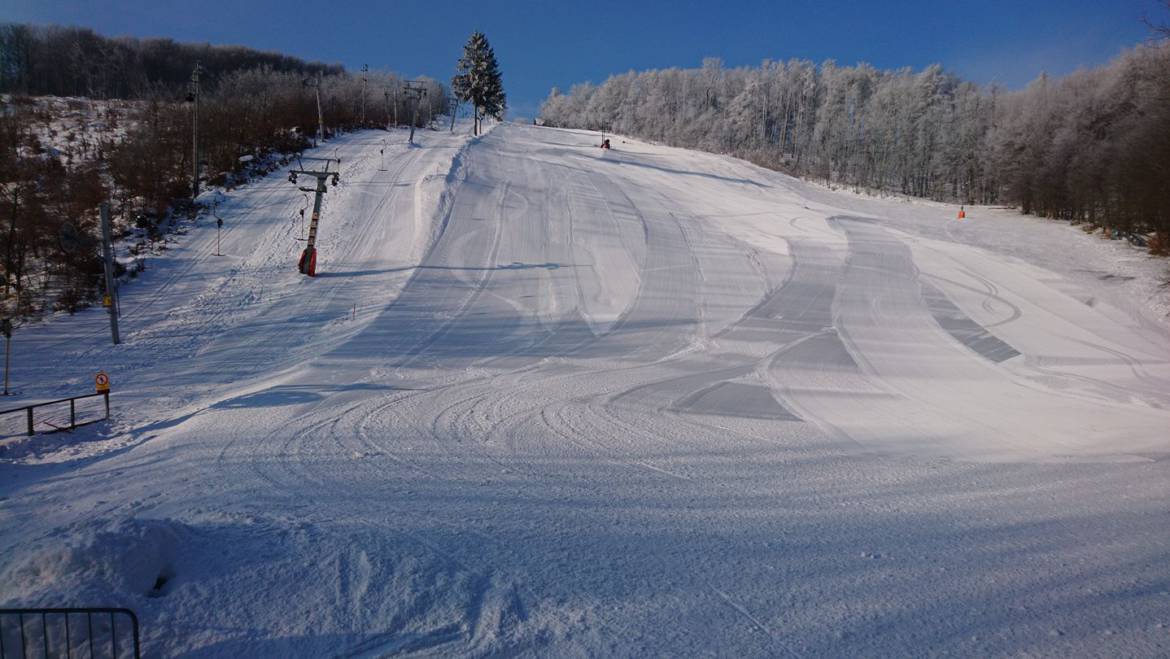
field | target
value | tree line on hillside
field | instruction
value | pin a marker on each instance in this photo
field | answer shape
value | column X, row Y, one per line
column 39, row 196
column 250, row 115
column 74, row 61
column 254, row 109
column 1093, row 146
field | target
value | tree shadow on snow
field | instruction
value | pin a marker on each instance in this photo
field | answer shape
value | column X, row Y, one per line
column 515, row 265
column 293, row 395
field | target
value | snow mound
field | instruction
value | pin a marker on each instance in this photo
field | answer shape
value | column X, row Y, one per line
column 99, row 564
column 375, row 597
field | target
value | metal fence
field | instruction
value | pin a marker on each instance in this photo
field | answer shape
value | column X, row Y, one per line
column 97, row 633
column 53, row 415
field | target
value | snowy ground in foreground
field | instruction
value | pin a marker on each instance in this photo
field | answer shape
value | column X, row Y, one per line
column 547, row 400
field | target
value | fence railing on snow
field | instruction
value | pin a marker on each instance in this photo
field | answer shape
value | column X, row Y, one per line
column 29, row 412
column 85, row 632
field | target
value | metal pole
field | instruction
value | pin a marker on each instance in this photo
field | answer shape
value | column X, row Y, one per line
column 108, row 254
column 320, row 116
column 6, row 329
column 195, row 132
column 365, row 69
column 415, row 91
column 318, row 198
column 308, row 260
column 308, row 256
column 414, row 119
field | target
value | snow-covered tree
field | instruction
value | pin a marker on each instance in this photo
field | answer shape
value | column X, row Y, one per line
column 1091, row 147
column 478, row 80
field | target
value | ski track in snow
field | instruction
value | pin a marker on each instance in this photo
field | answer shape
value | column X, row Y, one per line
column 547, row 400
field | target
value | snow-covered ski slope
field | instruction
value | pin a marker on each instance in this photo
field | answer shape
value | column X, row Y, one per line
column 553, row 401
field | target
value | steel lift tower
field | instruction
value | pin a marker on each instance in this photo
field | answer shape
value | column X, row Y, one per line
column 417, row 91
column 308, row 262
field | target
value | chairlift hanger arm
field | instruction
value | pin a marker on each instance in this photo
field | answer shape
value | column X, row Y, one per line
column 317, row 173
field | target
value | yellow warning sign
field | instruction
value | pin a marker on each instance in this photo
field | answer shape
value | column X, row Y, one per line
column 101, row 382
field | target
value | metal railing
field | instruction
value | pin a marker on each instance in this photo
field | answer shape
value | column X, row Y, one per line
column 46, row 633
column 31, row 417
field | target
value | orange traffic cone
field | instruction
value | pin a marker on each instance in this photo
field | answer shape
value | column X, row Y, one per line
column 962, row 213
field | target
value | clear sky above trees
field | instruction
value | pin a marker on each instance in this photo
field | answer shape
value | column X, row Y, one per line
column 546, row 44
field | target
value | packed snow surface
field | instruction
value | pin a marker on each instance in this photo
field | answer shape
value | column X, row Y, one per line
column 554, row 401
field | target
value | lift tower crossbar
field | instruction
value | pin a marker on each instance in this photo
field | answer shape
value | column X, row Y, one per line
column 308, row 261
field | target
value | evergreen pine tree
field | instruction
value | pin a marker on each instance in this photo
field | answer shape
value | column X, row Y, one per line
column 478, row 80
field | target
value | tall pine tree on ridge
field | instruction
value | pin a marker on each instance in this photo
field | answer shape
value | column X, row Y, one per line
column 478, row 80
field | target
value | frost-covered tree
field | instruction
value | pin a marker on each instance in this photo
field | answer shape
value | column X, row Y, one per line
column 479, row 81
column 1092, row 147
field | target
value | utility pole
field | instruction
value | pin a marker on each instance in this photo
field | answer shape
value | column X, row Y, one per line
column 307, row 265
column 396, row 104
column 316, row 85
column 417, row 91
column 108, row 257
column 320, row 115
column 365, row 70
column 193, row 96
column 6, row 330
column 386, row 99
column 453, row 107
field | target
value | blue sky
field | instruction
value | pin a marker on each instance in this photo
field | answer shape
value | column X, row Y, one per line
column 542, row 44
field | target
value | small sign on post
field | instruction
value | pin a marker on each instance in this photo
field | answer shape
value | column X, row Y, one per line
column 101, row 382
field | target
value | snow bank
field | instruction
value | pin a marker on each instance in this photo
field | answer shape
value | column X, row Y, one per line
column 97, row 563
column 361, row 593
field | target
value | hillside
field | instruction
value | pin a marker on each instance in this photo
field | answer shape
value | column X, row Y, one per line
column 549, row 400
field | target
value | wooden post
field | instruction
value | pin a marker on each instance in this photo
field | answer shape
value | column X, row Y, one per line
column 30, row 421
column 107, row 397
column 72, row 413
